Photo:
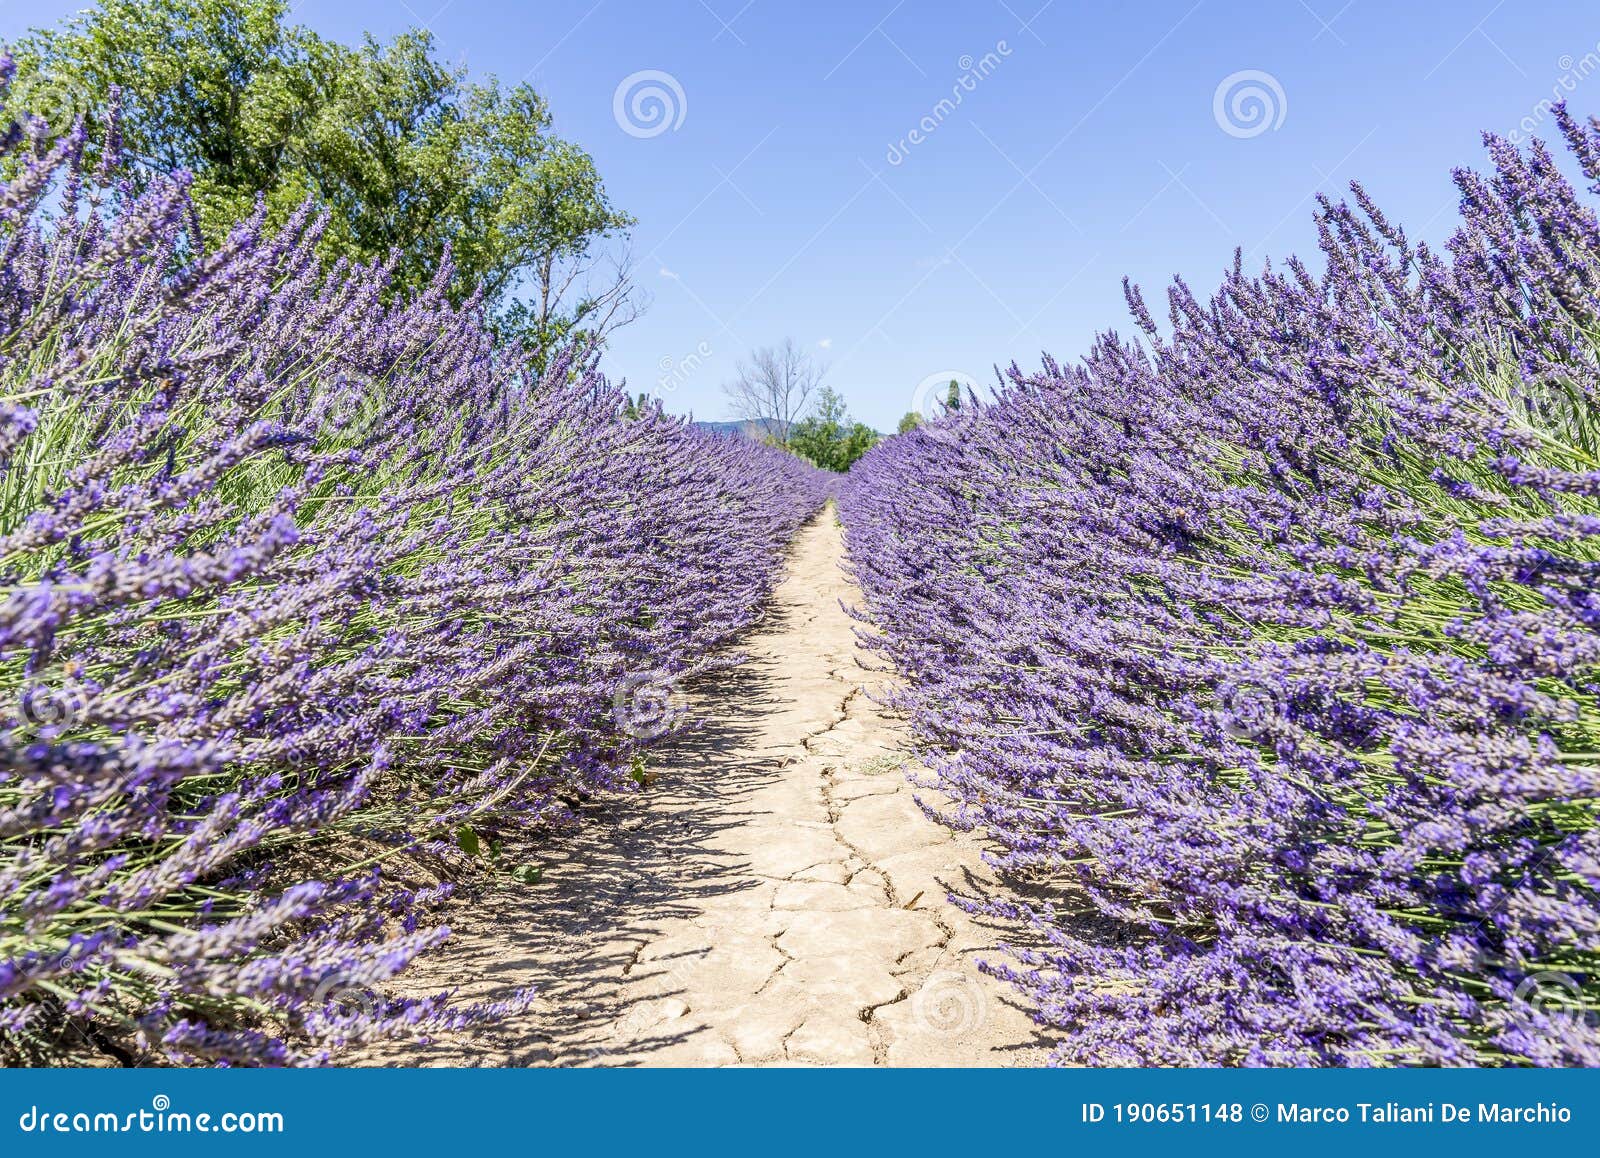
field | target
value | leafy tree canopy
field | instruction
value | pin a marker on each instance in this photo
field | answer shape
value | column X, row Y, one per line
column 828, row 438
column 404, row 152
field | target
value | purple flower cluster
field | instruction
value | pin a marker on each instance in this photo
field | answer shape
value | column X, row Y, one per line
column 295, row 579
column 1267, row 652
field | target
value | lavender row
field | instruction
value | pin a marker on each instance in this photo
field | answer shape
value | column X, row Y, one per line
column 1266, row 648
column 298, row 580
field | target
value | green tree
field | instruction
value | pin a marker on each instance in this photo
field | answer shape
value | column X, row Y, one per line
column 910, row 422
column 404, row 153
column 952, row 396
column 857, row 441
column 827, row 436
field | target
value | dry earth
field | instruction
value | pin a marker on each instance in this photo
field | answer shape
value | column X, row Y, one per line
column 776, row 896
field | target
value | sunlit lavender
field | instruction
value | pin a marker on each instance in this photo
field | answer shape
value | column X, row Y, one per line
column 1266, row 648
column 301, row 579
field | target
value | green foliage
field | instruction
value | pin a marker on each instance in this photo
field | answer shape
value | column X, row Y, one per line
column 828, row 438
column 405, row 154
column 910, row 422
column 528, row 874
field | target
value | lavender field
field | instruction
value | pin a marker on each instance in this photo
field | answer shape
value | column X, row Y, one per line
column 299, row 582
column 381, row 686
column 1266, row 648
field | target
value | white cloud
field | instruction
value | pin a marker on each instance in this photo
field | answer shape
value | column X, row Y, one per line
column 826, row 343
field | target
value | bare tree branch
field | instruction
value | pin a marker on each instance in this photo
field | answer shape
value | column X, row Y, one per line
column 593, row 288
column 586, row 294
column 774, row 388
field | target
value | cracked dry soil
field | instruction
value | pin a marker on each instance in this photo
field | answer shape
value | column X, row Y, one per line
column 776, row 896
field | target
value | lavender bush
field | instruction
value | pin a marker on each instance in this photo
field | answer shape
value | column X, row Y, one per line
column 1268, row 652
column 298, row 580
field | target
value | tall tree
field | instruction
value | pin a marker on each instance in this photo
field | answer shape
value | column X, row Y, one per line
column 403, row 152
column 827, row 436
column 774, row 388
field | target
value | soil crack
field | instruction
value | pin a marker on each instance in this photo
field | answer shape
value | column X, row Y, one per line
column 779, row 892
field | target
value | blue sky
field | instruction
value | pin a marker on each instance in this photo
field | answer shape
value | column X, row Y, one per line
column 787, row 199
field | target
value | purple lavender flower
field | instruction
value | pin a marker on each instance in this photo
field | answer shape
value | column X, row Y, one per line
column 1267, row 651
column 296, row 577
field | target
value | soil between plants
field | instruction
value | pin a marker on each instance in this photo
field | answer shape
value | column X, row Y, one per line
column 775, row 895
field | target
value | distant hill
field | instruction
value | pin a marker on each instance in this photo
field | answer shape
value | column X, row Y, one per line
column 750, row 430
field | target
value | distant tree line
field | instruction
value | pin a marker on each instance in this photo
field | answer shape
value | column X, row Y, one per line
column 827, row 436
column 780, row 390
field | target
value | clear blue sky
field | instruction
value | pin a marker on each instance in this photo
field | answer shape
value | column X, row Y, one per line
column 1090, row 149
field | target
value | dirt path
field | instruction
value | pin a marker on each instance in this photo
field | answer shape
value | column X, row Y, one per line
column 776, row 896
